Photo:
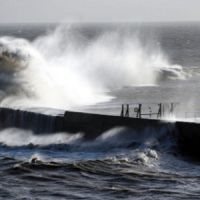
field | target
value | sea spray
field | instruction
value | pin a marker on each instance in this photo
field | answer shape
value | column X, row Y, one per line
column 118, row 137
column 17, row 137
column 64, row 68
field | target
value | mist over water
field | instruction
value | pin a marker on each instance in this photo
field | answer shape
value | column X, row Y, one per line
column 64, row 68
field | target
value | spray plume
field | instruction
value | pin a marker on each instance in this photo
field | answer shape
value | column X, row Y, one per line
column 64, row 68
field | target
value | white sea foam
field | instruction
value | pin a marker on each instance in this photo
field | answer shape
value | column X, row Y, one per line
column 17, row 137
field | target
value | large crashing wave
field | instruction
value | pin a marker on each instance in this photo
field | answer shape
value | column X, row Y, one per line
column 64, row 68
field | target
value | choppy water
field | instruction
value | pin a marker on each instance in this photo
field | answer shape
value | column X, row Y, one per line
column 96, row 68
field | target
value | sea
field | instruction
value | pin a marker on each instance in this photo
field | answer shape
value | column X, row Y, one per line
column 96, row 68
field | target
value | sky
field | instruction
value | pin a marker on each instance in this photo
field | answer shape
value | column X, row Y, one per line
column 22, row 11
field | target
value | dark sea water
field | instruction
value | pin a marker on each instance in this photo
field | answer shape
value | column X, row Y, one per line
column 96, row 68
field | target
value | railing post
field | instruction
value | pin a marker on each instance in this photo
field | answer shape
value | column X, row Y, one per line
column 122, row 111
column 139, row 111
column 127, row 110
column 159, row 115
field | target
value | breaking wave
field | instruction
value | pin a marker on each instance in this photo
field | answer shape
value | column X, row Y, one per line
column 116, row 138
column 118, row 145
column 16, row 137
column 65, row 68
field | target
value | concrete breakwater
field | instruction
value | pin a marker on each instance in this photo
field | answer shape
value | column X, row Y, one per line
column 187, row 135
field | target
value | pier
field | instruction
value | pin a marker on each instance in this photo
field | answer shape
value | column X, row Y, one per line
column 186, row 134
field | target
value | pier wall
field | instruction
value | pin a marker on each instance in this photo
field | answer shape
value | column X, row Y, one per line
column 92, row 125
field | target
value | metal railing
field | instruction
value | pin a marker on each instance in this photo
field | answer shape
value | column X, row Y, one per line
column 157, row 111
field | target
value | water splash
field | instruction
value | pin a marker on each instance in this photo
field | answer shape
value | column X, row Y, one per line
column 17, row 137
column 119, row 137
column 65, row 68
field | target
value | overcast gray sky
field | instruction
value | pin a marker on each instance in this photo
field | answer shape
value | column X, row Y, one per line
column 98, row 10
